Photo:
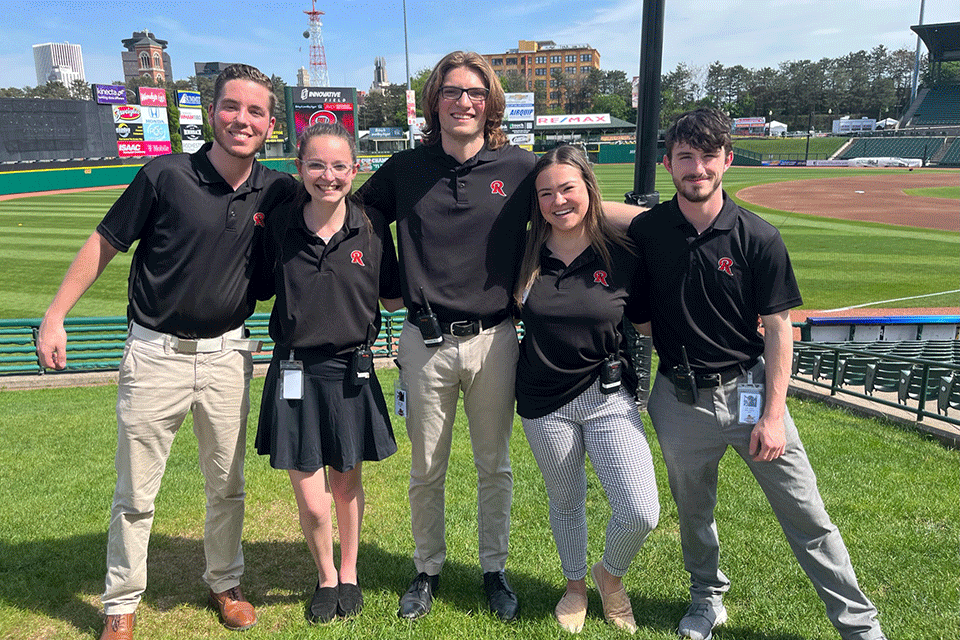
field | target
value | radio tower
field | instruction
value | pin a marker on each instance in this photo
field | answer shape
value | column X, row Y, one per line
column 318, row 59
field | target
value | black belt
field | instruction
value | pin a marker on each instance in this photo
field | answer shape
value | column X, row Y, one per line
column 466, row 328
column 711, row 379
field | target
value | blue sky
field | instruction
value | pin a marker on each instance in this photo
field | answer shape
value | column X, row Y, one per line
column 268, row 34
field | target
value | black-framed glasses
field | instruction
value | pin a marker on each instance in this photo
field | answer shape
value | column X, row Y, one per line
column 476, row 94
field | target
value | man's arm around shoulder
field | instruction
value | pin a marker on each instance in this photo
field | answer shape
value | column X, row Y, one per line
column 90, row 262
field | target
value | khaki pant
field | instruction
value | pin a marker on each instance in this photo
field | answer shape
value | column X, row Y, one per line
column 157, row 388
column 484, row 368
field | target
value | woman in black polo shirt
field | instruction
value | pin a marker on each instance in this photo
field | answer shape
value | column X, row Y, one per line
column 322, row 414
column 574, row 289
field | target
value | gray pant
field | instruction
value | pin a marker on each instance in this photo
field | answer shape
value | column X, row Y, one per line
column 693, row 439
column 609, row 429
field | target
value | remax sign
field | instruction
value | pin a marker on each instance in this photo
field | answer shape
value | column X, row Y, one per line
column 590, row 118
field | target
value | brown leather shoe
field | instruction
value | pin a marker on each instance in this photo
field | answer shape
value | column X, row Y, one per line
column 119, row 627
column 235, row 612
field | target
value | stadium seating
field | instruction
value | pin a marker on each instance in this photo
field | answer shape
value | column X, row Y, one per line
column 915, row 147
column 940, row 107
column 952, row 157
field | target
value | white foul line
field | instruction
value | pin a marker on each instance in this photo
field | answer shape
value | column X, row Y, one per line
column 870, row 304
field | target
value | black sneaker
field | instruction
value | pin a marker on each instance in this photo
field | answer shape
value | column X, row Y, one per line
column 418, row 599
column 502, row 599
column 349, row 600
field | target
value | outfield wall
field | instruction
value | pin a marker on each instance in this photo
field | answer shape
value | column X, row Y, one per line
column 37, row 180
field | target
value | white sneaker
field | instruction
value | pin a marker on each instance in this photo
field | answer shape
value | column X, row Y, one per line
column 700, row 619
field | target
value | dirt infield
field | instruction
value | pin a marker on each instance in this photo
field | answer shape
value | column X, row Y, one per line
column 872, row 198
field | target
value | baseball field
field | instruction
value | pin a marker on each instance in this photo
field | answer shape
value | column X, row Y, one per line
column 892, row 492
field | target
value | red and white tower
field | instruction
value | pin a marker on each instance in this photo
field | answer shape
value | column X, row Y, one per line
column 318, row 59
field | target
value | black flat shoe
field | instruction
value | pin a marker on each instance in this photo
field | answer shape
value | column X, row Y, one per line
column 350, row 600
column 323, row 605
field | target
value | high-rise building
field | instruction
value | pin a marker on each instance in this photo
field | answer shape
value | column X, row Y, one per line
column 539, row 63
column 60, row 61
column 145, row 56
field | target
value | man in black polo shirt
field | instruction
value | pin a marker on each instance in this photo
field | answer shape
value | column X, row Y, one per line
column 461, row 203
column 712, row 270
column 197, row 218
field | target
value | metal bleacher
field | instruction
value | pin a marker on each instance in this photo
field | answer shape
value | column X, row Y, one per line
column 898, row 147
column 940, row 107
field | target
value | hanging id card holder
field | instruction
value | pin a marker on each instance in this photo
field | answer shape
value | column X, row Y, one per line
column 399, row 394
column 750, row 400
column 291, row 379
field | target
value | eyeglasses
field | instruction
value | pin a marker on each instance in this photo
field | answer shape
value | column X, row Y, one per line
column 476, row 94
column 314, row 168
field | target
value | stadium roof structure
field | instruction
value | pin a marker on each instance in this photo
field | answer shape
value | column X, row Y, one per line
column 942, row 40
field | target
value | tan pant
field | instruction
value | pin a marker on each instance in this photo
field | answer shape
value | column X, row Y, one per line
column 157, row 387
column 484, row 368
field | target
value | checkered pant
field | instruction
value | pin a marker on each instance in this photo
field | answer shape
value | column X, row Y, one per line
column 607, row 428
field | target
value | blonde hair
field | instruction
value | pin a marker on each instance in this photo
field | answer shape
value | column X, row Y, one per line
column 495, row 103
column 599, row 231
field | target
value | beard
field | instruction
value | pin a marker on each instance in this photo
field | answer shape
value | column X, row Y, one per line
column 224, row 140
column 696, row 193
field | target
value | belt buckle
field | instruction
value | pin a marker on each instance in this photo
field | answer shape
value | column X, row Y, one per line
column 464, row 328
column 184, row 346
column 709, row 380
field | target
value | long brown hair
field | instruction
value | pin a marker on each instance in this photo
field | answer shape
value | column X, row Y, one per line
column 493, row 111
column 599, row 231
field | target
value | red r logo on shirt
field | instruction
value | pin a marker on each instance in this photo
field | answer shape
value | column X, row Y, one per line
column 258, row 219
column 356, row 257
column 496, row 187
column 724, row 265
column 600, row 277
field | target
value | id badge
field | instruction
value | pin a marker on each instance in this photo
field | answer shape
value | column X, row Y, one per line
column 400, row 397
column 750, row 401
column 291, row 379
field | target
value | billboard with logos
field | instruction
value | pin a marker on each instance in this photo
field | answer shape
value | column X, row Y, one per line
column 191, row 120
column 310, row 105
column 109, row 93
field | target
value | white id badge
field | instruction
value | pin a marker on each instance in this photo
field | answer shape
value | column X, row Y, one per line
column 750, row 400
column 400, row 397
column 291, row 379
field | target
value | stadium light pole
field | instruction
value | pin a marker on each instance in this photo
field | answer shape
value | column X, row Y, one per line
column 645, row 163
column 406, row 53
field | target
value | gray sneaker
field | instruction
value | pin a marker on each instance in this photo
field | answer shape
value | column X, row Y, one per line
column 700, row 619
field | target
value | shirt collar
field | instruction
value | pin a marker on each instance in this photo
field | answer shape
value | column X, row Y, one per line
column 725, row 220
column 208, row 174
column 486, row 154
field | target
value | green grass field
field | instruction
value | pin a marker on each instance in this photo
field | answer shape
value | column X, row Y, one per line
column 838, row 263
column 892, row 493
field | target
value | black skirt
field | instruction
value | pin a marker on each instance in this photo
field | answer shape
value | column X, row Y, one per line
column 336, row 424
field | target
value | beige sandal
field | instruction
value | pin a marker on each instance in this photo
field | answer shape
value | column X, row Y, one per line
column 616, row 605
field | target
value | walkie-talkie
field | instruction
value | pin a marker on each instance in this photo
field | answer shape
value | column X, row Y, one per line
column 428, row 324
column 684, row 380
column 610, row 374
column 361, row 362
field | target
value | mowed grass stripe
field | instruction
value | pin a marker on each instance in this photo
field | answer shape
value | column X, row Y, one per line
column 838, row 262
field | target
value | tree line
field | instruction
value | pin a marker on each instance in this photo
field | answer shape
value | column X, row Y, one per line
column 799, row 93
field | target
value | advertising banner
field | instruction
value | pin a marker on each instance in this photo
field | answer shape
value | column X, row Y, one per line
column 128, row 131
column 587, row 118
column 130, row 148
column 188, row 99
column 519, row 107
column 151, row 97
column 853, row 126
column 191, row 126
column 386, row 132
column 110, row 93
column 324, row 104
column 411, row 107
column 746, row 123
column 371, row 163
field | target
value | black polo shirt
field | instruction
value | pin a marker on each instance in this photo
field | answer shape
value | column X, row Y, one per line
column 190, row 274
column 327, row 292
column 460, row 227
column 707, row 291
column 572, row 320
